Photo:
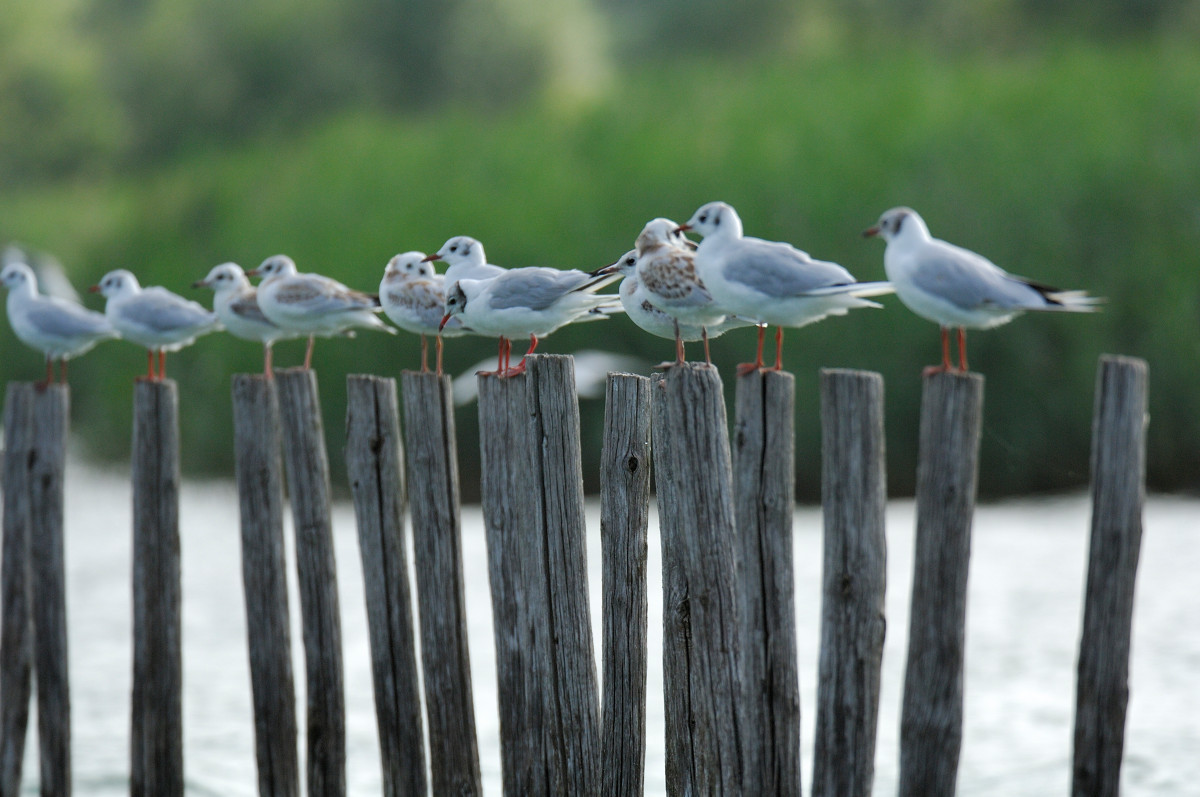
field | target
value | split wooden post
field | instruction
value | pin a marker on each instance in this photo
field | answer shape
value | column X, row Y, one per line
column 1118, row 496
column 432, row 478
column 259, row 469
column 624, row 518
column 702, row 687
column 48, row 584
column 157, row 732
column 307, row 467
column 374, row 465
column 533, row 514
column 854, row 502
column 16, row 626
column 764, row 493
column 947, row 475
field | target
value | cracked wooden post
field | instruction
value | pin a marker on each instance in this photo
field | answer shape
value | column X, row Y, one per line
column 701, row 678
column 533, row 514
column 307, row 469
column 854, row 574
column 764, row 494
column 374, row 465
column 432, row 478
column 624, row 511
column 1118, row 496
column 259, row 469
column 947, row 476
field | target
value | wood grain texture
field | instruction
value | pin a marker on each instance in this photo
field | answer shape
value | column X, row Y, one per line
column 624, row 519
column 307, row 467
column 701, row 677
column 533, row 513
column 1118, row 497
column 854, row 572
column 764, row 489
column 433, row 490
column 16, row 623
column 259, row 471
column 374, row 466
column 947, row 476
column 51, row 411
column 157, row 732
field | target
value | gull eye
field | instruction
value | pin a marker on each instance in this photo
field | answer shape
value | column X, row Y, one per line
column 629, row 261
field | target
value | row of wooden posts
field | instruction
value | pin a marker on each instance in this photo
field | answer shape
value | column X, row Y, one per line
column 729, row 648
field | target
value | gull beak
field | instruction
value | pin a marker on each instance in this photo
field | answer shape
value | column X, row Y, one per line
column 200, row 284
column 682, row 228
column 431, row 258
column 94, row 289
column 870, row 232
column 445, row 318
column 252, row 272
column 604, row 271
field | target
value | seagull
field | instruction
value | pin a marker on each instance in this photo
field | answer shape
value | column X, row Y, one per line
column 235, row 302
column 771, row 283
column 414, row 297
column 152, row 317
column 955, row 287
column 465, row 259
column 642, row 312
column 530, row 301
column 312, row 304
column 60, row 329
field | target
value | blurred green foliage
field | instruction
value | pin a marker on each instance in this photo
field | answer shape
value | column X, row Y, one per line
column 171, row 137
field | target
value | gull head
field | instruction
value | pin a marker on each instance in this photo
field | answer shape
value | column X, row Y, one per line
column 409, row 265
column 274, row 266
column 456, row 303
column 461, row 249
column 18, row 276
column 715, row 219
column 896, row 221
column 225, row 277
column 658, row 232
column 116, row 284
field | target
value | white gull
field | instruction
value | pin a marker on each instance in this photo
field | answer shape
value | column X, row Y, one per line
column 235, row 301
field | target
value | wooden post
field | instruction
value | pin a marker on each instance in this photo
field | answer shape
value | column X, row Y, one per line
column 264, row 576
column 947, row 474
column 1118, row 495
column 624, row 518
column 432, row 476
column 16, row 627
column 376, row 472
column 702, row 687
column 157, row 732
column 764, row 490
column 854, row 500
column 49, row 588
column 533, row 513
column 307, row 469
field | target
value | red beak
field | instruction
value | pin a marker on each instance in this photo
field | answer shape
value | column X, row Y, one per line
column 682, row 228
column 432, row 257
column 252, row 272
column 94, row 289
column 870, row 232
column 445, row 318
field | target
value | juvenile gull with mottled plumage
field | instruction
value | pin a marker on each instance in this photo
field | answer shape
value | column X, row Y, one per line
column 413, row 295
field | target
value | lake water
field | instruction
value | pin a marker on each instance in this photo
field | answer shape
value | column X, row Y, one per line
column 1025, row 605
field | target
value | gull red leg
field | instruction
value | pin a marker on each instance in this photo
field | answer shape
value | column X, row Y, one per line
column 150, row 365
column 439, row 355
column 680, row 354
column 308, row 352
column 267, row 360
column 519, row 368
column 746, row 368
column 49, row 374
column 162, row 364
column 946, row 365
column 704, row 337
column 778, row 349
column 962, row 350
column 424, row 355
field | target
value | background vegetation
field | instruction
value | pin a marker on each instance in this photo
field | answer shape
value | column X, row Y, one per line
column 1058, row 138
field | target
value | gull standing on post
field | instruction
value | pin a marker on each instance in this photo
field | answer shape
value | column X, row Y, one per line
column 152, row 317
column 56, row 327
column 235, row 302
column 465, row 260
column 311, row 304
column 526, row 301
column 955, row 287
column 768, row 282
column 413, row 295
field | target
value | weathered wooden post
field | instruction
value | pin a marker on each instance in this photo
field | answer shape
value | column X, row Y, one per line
column 854, row 502
column 48, row 585
column 947, row 475
column 701, row 676
column 1118, row 496
column 764, row 495
column 16, row 627
column 376, row 472
column 157, row 732
column 624, row 518
column 432, row 477
column 307, row 468
column 264, row 577
column 533, row 514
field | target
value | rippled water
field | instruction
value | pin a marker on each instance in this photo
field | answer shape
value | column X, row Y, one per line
column 1027, row 576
